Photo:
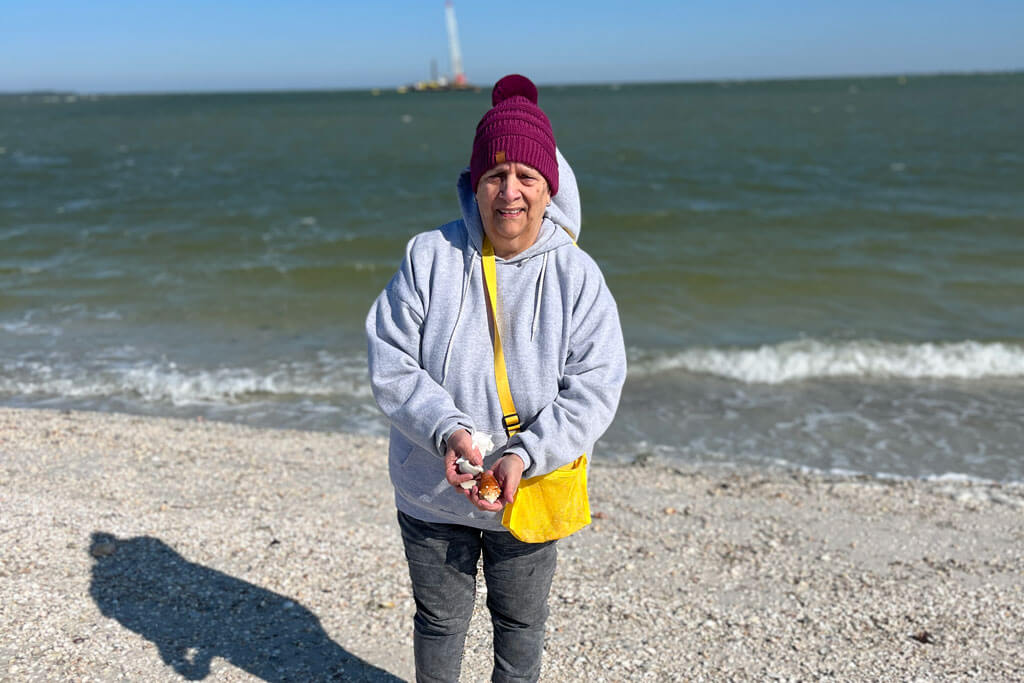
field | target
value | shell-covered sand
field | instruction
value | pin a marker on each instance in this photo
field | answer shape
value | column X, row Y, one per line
column 145, row 549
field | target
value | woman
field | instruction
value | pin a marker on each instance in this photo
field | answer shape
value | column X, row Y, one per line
column 431, row 364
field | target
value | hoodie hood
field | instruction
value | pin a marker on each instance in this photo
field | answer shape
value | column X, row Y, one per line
column 562, row 219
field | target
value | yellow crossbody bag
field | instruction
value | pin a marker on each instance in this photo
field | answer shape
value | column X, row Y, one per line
column 549, row 506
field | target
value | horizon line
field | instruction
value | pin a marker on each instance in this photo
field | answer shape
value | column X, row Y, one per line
column 544, row 84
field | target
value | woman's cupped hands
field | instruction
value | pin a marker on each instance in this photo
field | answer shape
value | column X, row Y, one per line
column 508, row 471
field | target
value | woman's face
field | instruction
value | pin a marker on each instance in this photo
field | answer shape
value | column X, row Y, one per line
column 512, row 198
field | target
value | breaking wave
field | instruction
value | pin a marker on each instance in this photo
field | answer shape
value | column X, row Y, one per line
column 811, row 359
column 165, row 382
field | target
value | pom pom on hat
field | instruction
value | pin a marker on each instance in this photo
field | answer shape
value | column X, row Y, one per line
column 514, row 129
column 513, row 85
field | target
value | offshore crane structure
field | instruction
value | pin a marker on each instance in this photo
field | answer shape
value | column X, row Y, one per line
column 458, row 76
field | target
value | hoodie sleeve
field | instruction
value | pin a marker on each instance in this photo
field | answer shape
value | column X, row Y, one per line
column 595, row 370
column 413, row 401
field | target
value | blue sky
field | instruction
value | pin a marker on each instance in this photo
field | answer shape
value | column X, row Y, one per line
column 188, row 45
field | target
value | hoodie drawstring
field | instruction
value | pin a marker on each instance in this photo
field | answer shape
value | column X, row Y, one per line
column 540, row 292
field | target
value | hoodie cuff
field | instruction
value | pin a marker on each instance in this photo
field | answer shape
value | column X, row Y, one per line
column 523, row 455
column 445, row 433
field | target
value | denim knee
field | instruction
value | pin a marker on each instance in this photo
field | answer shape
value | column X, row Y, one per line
column 519, row 579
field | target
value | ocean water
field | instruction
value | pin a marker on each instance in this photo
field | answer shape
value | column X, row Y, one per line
column 818, row 274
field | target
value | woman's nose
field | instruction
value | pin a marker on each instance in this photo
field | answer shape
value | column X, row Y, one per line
column 510, row 188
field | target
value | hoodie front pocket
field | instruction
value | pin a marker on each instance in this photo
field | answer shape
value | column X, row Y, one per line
column 405, row 458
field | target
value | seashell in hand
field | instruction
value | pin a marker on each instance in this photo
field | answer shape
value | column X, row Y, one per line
column 483, row 442
column 489, row 489
column 466, row 467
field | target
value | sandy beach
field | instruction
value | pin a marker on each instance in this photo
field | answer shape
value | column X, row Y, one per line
column 147, row 549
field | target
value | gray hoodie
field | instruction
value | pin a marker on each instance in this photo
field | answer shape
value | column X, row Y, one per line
column 431, row 358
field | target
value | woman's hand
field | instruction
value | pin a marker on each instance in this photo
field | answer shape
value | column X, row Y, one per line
column 460, row 445
column 508, row 471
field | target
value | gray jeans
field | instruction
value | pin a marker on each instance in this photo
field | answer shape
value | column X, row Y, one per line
column 442, row 565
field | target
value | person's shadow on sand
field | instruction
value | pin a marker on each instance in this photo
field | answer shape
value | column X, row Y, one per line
column 193, row 613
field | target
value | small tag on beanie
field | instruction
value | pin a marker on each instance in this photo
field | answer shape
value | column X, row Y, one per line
column 499, row 157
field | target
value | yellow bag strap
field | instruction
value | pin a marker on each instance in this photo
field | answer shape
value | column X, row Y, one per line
column 570, row 234
column 508, row 408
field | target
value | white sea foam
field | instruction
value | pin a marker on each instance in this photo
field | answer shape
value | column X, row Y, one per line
column 28, row 328
column 809, row 359
column 51, row 322
column 10, row 233
column 38, row 160
column 956, row 478
column 164, row 382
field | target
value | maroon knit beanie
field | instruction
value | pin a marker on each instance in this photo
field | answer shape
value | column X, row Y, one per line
column 515, row 129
